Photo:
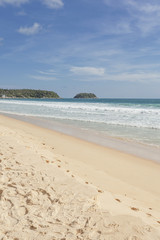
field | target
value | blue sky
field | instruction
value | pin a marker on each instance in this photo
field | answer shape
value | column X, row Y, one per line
column 109, row 47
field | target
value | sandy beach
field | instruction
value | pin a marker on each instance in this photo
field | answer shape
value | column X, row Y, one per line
column 55, row 186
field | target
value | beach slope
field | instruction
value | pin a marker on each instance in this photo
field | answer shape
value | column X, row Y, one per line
column 54, row 186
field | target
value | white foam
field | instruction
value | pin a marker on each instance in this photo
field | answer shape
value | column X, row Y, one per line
column 97, row 115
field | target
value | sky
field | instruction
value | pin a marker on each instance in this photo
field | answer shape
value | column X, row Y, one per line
column 107, row 47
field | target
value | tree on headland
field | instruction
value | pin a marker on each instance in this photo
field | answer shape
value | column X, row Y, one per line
column 85, row 95
column 27, row 93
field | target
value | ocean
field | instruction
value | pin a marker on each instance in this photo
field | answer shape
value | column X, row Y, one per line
column 132, row 120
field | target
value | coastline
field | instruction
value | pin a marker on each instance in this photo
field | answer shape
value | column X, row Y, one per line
column 107, row 122
column 134, row 148
column 124, row 186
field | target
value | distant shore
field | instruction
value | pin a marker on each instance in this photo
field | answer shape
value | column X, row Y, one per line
column 27, row 93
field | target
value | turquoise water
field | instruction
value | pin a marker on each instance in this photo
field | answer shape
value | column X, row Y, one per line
column 132, row 119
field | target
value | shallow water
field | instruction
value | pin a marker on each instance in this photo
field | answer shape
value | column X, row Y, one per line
column 136, row 120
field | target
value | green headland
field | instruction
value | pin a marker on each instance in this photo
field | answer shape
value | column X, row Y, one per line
column 27, row 93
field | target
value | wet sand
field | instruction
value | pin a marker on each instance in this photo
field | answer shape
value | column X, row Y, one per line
column 137, row 149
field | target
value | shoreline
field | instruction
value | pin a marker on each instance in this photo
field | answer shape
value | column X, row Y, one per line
column 129, row 124
column 134, row 148
column 120, row 187
column 69, row 146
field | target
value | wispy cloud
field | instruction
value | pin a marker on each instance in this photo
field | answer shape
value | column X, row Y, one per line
column 124, row 77
column 88, row 70
column 147, row 14
column 43, row 78
column 1, row 41
column 134, row 77
column 13, row 52
column 47, row 75
column 143, row 15
column 144, row 6
column 120, row 28
column 13, row 2
column 49, row 72
column 119, row 72
column 22, row 13
column 53, row 3
column 150, row 8
column 30, row 30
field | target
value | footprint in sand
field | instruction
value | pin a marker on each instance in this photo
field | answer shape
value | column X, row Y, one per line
column 1, row 191
column 100, row 191
column 22, row 210
column 133, row 238
column 149, row 215
column 111, row 228
column 134, row 209
column 94, row 235
column 147, row 228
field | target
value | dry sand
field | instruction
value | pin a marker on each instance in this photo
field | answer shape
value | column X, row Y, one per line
column 53, row 186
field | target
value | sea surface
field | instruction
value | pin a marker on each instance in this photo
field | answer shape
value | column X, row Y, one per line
column 135, row 120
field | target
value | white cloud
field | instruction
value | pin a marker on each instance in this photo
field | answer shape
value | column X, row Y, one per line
column 43, row 78
column 49, row 72
column 13, row 2
column 53, row 3
column 88, row 70
column 30, row 30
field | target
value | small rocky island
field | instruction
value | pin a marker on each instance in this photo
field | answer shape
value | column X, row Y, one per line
column 85, row 95
column 27, row 93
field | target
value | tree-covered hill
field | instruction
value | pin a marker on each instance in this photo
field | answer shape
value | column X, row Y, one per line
column 27, row 93
column 85, row 95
